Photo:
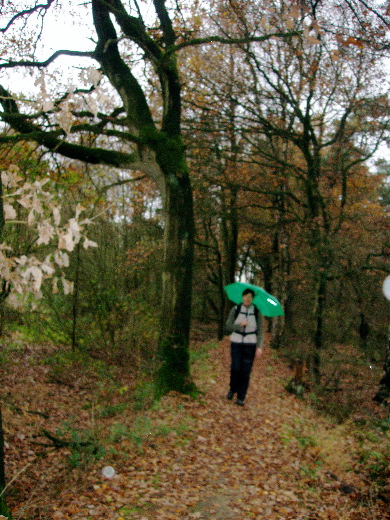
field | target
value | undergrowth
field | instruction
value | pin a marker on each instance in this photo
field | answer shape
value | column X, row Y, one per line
column 350, row 379
column 114, row 415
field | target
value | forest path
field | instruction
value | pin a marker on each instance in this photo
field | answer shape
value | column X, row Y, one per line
column 274, row 458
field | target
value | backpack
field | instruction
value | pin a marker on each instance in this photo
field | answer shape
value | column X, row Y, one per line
column 238, row 310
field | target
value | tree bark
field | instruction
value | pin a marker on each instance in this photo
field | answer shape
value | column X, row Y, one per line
column 3, row 504
column 172, row 177
column 173, row 346
column 75, row 302
column 319, row 326
column 383, row 394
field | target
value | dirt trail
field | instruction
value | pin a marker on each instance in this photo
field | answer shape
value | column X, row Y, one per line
column 272, row 459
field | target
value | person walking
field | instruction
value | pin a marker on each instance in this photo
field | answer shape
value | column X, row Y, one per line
column 245, row 326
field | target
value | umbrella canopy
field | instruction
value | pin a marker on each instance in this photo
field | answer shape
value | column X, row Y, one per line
column 267, row 304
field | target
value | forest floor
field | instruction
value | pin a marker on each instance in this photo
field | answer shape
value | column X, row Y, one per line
column 182, row 458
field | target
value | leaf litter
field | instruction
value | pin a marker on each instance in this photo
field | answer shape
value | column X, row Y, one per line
column 182, row 458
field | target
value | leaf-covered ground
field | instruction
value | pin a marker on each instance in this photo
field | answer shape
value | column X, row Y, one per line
column 182, row 458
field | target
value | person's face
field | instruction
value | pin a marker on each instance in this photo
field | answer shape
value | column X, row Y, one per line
column 247, row 299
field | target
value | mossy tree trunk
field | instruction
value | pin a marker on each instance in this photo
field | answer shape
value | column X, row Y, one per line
column 163, row 149
column 173, row 351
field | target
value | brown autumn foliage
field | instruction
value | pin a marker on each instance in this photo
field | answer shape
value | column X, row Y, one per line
column 66, row 417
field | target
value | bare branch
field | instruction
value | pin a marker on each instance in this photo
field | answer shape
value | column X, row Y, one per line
column 229, row 41
column 53, row 57
column 62, row 443
column 121, row 183
column 27, row 12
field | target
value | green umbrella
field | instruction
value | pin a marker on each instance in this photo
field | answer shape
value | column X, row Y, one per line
column 267, row 304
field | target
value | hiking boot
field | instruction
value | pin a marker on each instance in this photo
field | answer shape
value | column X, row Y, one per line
column 230, row 395
column 240, row 402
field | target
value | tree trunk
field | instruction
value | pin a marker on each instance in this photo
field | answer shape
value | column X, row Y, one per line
column 222, row 301
column 228, row 259
column 75, row 303
column 3, row 505
column 322, row 253
column 383, row 394
column 319, row 321
column 173, row 345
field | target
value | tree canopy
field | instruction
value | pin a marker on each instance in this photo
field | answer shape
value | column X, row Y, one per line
column 285, row 108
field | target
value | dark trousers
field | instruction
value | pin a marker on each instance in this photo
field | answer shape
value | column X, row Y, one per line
column 242, row 356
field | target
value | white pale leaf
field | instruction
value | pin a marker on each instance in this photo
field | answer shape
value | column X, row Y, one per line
column 64, row 118
column 40, row 81
column 5, row 178
column 25, row 201
column 104, row 98
column 22, row 260
column 37, row 206
column 18, row 287
column 9, row 212
column 54, row 285
column 89, row 243
column 92, row 75
column 6, row 266
column 14, row 301
column 34, row 273
column 79, row 210
column 57, row 215
column 26, row 186
column 66, row 241
column 40, row 183
column 68, row 286
column 85, row 222
column 74, row 226
column 47, row 106
column 13, row 168
column 61, row 258
column 84, row 76
column 96, row 76
column 47, row 268
column 31, row 218
column 13, row 178
column 46, row 232
column 93, row 106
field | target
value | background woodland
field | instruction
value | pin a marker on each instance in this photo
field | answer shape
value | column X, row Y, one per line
column 182, row 150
